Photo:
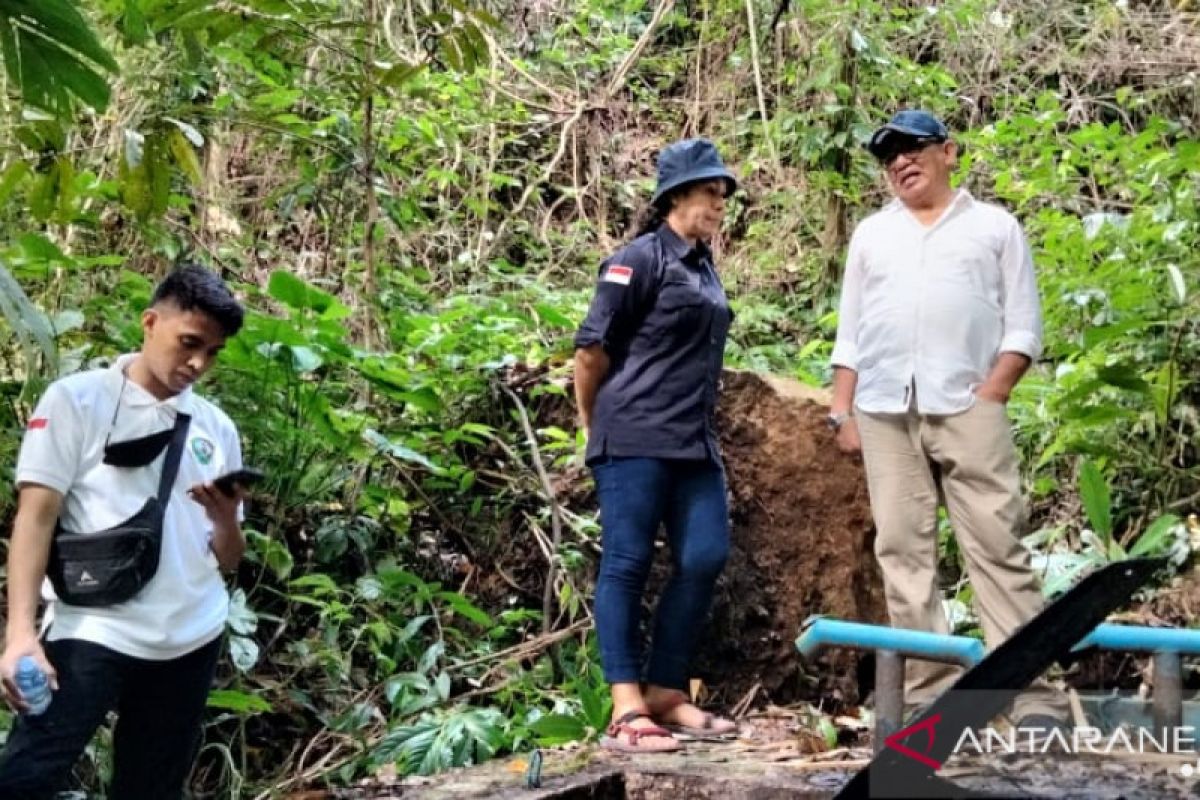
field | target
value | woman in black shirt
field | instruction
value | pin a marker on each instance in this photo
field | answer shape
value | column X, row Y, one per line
column 647, row 364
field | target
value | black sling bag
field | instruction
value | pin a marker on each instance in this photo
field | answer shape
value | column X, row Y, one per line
column 113, row 565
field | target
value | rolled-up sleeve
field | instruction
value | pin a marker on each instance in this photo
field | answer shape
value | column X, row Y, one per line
column 845, row 348
column 1022, row 307
column 624, row 293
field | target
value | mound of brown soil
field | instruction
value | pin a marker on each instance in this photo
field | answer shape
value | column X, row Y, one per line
column 802, row 539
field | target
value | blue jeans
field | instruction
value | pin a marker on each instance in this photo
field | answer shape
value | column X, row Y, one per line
column 636, row 495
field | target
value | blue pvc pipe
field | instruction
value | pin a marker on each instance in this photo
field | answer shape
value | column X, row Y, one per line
column 821, row 632
column 1142, row 639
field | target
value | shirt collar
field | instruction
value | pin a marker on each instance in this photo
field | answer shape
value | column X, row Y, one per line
column 136, row 396
column 676, row 247
column 960, row 202
column 961, row 198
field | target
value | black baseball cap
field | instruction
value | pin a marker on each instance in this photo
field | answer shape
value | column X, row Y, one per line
column 911, row 123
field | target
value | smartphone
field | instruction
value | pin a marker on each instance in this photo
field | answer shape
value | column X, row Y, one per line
column 245, row 478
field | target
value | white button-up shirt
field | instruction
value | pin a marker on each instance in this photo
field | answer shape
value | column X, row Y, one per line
column 932, row 307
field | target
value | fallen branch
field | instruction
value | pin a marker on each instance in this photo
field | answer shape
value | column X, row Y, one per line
column 551, row 498
column 525, row 649
column 743, row 705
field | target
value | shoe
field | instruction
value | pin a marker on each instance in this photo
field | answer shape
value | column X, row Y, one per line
column 634, row 740
column 712, row 727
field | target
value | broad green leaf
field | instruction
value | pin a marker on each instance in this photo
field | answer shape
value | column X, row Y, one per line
column 145, row 174
column 185, row 157
column 14, row 174
column 1093, row 490
column 397, row 450
column 1157, row 539
column 29, row 325
column 430, row 657
column 133, row 24
column 193, row 135
column 557, row 729
column 1124, row 377
column 321, row 584
column 72, row 75
column 51, row 54
column 398, row 75
column 38, row 248
column 553, row 316
column 424, row 398
column 1177, row 283
column 43, row 198
column 65, row 194
column 241, row 619
column 290, row 290
column 368, row 588
column 243, row 651
column 178, row 13
column 158, row 173
column 237, row 702
column 272, row 553
column 465, row 608
column 304, row 359
column 596, row 703
column 828, row 731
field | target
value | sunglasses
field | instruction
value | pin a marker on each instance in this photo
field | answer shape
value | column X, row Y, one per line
column 137, row 452
column 907, row 146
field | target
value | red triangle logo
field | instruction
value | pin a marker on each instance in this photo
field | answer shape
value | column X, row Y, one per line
column 926, row 726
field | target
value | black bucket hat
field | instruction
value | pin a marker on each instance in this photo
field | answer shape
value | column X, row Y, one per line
column 688, row 161
column 911, row 124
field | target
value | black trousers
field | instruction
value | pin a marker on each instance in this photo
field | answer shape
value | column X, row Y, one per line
column 160, row 707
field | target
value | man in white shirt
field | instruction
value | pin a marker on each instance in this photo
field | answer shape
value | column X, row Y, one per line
column 939, row 319
column 150, row 658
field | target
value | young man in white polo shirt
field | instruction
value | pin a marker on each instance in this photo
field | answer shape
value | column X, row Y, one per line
column 150, row 658
column 939, row 319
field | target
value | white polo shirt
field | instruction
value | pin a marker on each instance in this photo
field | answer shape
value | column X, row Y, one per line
column 934, row 306
column 185, row 604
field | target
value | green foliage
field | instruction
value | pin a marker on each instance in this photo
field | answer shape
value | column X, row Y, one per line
column 52, row 55
column 412, row 200
column 1096, row 500
column 439, row 741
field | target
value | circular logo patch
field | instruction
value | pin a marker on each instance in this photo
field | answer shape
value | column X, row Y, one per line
column 202, row 449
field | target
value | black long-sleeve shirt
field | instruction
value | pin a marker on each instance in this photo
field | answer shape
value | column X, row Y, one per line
column 662, row 317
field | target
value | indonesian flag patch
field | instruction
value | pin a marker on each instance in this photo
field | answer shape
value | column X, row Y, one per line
column 618, row 274
column 37, row 423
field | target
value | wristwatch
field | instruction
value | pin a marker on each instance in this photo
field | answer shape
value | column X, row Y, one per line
column 836, row 421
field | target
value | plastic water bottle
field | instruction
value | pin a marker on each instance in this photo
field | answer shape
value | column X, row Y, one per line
column 33, row 685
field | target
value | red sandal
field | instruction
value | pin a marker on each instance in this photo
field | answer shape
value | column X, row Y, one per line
column 612, row 740
column 714, row 727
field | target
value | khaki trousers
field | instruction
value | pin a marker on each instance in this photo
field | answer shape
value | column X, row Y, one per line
column 969, row 461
